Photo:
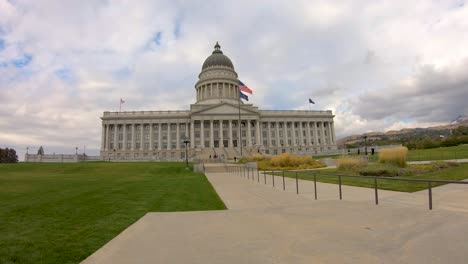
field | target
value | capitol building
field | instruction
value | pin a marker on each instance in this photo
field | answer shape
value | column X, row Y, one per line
column 213, row 125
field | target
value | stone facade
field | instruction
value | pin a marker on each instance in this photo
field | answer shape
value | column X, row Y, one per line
column 212, row 125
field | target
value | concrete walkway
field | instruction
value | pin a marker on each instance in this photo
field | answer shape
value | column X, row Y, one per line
column 265, row 224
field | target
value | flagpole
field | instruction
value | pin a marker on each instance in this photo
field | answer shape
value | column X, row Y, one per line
column 240, row 130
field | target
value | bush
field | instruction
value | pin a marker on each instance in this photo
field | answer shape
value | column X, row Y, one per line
column 396, row 156
column 351, row 164
column 288, row 161
column 387, row 170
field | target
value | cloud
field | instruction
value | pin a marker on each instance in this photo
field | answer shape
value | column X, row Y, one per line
column 377, row 65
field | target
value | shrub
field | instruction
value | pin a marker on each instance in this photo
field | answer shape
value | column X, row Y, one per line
column 387, row 170
column 395, row 156
column 289, row 161
column 351, row 164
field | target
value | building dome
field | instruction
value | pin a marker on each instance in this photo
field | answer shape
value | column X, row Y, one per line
column 217, row 58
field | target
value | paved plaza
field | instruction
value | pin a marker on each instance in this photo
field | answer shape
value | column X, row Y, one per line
column 265, row 224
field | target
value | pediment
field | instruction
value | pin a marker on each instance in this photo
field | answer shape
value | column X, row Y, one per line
column 226, row 109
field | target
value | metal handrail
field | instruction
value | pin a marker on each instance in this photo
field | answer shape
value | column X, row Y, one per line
column 241, row 171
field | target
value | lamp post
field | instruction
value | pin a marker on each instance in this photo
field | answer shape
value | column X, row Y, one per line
column 76, row 151
column 365, row 144
column 186, row 142
column 114, row 154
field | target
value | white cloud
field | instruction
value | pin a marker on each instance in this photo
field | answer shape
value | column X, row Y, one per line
column 377, row 65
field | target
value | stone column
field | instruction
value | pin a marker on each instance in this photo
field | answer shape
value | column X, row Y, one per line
column 257, row 132
column 178, row 136
column 115, row 135
column 330, row 131
column 169, row 136
column 249, row 138
column 202, row 133
column 151, row 138
column 211, row 134
column 333, row 132
column 133, row 137
column 142, row 139
column 269, row 133
column 315, row 134
column 285, row 133
column 124, row 137
column 192, row 133
column 230, row 134
column 293, row 133
column 309, row 143
column 221, row 136
column 159, row 136
column 103, row 137
column 301, row 134
column 323, row 134
column 277, row 134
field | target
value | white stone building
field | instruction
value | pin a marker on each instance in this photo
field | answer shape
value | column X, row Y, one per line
column 212, row 125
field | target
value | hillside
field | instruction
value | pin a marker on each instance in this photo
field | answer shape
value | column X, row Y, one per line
column 403, row 135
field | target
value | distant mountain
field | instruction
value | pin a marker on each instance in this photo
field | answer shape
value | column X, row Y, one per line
column 394, row 137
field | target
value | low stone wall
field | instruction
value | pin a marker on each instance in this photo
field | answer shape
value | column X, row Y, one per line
column 59, row 158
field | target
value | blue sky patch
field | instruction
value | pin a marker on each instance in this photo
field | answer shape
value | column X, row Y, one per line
column 65, row 75
column 122, row 73
column 22, row 62
column 157, row 38
column 2, row 44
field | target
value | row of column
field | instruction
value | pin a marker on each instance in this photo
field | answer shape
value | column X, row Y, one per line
column 106, row 138
column 300, row 135
column 250, row 141
column 230, row 129
column 216, row 90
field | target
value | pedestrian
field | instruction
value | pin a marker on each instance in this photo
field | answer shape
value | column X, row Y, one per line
column 235, row 159
column 210, row 156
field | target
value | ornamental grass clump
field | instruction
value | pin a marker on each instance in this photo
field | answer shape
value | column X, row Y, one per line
column 396, row 156
column 351, row 164
column 289, row 161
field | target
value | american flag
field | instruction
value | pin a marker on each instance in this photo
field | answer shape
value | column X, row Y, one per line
column 244, row 88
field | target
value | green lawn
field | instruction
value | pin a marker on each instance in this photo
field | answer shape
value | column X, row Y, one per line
column 62, row 213
column 457, row 152
column 455, row 173
column 444, row 153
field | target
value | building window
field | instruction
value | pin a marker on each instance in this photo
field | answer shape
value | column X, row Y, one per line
column 129, row 136
column 129, row 145
column 265, row 143
column 137, row 145
column 197, row 134
column 147, row 145
column 273, row 142
column 120, row 146
column 264, row 125
column 120, row 136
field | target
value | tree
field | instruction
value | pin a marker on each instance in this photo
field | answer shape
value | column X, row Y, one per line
column 40, row 151
column 8, row 156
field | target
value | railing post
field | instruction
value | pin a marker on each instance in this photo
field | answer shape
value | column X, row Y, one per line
column 253, row 176
column 284, row 187
column 273, row 177
column 258, row 175
column 339, row 182
column 430, row 195
column 247, row 173
column 315, row 185
column 376, row 192
column 297, row 185
column 264, row 176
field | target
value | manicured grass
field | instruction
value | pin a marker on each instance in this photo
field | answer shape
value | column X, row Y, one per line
column 456, row 152
column 454, row 173
column 62, row 213
column 444, row 153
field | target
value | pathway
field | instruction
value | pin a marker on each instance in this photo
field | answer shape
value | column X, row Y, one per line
column 269, row 225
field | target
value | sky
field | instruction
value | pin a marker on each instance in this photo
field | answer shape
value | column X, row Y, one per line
column 378, row 65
